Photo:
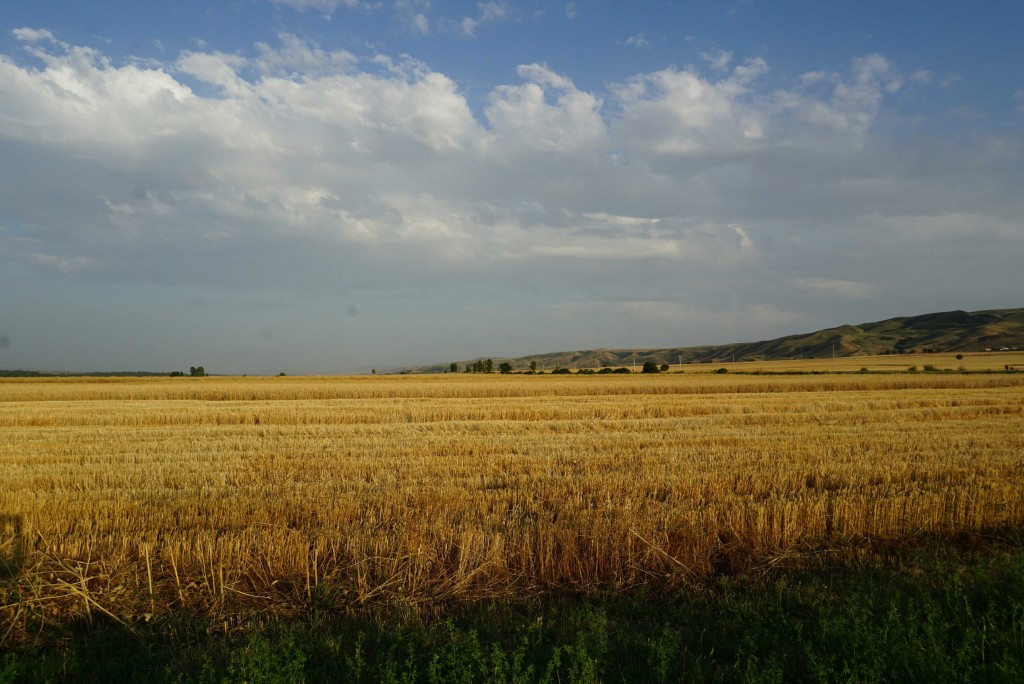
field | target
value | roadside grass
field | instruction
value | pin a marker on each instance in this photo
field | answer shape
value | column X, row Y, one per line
column 943, row 611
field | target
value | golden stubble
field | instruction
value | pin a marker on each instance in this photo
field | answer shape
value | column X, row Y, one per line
column 136, row 497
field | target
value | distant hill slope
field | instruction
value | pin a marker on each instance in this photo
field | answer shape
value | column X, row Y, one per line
column 945, row 331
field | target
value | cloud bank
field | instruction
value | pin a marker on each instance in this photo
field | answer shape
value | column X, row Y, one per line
column 303, row 169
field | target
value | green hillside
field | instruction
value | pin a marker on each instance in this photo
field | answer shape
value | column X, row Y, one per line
column 940, row 332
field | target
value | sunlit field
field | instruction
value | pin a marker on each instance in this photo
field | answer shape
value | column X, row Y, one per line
column 137, row 497
column 945, row 361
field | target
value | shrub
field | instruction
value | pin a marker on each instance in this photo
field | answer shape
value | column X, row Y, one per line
column 721, row 371
column 622, row 369
column 663, row 368
column 650, row 367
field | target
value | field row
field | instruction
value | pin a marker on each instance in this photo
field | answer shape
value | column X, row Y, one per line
column 461, row 386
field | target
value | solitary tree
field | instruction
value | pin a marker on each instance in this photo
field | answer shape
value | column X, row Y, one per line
column 505, row 368
column 533, row 366
column 454, row 368
column 650, row 367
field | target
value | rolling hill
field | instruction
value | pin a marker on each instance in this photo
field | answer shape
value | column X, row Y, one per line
column 942, row 332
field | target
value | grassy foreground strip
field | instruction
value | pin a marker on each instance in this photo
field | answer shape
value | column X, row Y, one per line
column 948, row 610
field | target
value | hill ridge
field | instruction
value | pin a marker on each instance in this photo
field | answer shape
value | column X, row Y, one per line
column 939, row 331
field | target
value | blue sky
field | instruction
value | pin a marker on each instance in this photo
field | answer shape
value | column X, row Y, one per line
column 319, row 186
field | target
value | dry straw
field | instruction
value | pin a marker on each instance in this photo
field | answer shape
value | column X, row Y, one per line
column 136, row 497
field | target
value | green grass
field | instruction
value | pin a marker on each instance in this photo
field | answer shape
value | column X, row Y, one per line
column 937, row 614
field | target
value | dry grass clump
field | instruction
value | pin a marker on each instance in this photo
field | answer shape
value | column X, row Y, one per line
column 137, row 497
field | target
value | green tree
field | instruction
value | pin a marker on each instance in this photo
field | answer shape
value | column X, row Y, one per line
column 505, row 368
column 197, row 371
column 454, row 368
column 650, row 367
column 533, row 366
column 489, row 366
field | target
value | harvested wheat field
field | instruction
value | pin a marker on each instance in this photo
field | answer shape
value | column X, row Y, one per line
column 133, row 497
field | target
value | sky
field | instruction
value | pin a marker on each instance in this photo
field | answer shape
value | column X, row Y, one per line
column 329, row 186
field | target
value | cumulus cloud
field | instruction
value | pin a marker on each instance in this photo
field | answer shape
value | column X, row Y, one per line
column 309, row 169
column 30, row 35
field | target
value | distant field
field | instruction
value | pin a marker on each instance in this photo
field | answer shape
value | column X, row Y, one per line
column 130, row 497
column 971, row 361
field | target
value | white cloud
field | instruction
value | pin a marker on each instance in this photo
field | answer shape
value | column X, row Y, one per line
column 852, row 101
column 30, row 35
column 621, row 220
column 674, row 112
column 301, row 57
column 718, row 60
column 570, row 11
column 420, row 24
column 328, row 7
column 467, row 26
column 487, row 13
column 523, row 117
column 493, row 11
column 413, row 15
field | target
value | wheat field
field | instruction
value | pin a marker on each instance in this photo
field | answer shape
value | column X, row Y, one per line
column 136, row 497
